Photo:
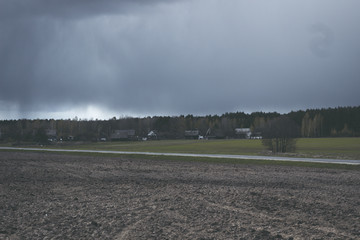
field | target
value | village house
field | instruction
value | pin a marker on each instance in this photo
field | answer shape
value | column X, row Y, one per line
column 243, row 133
column 152, row 135
column 118, row 135
column 51, row 134
column 192, row 134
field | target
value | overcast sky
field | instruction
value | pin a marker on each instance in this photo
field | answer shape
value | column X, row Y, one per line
column 99, row 59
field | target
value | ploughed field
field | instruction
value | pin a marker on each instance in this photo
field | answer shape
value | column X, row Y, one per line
column 56, row 196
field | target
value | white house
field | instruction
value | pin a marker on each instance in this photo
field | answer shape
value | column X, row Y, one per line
column 243, row 132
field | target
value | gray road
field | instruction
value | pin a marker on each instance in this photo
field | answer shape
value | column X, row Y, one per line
column 319, row 160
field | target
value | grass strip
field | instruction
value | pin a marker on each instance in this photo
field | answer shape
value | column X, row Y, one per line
column 205, row 159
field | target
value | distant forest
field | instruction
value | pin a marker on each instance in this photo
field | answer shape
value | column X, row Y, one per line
column 330, row 122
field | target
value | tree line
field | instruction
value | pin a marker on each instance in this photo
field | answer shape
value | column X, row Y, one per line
column 330, row 122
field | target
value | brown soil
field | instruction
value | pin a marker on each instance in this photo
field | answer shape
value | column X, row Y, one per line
column 50, row 196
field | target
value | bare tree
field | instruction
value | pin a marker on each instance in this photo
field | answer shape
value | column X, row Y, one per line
column 279, row 134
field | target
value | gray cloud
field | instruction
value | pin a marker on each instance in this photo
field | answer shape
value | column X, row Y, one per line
column 200, row 57
column 69, row 9
column 321, row 41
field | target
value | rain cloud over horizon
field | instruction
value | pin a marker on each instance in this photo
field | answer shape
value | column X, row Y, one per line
column 61, row 58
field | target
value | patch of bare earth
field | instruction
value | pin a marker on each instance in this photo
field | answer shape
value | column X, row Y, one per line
column 49, row 196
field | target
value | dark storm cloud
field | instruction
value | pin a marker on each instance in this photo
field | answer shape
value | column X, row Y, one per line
column 177, row 57
column 64, row 9
column 46, row 57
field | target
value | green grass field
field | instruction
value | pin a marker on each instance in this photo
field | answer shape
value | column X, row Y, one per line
column 248, row 147
column 347, row 148
column 341, row 148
